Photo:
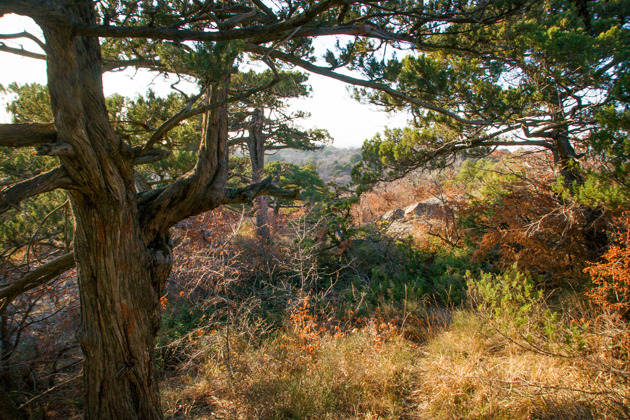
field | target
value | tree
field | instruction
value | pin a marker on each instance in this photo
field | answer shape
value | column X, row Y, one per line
column 261, row 133
column 554, row 77
column 121, row 243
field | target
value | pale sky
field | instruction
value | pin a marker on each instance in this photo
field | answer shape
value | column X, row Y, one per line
column 331, row 106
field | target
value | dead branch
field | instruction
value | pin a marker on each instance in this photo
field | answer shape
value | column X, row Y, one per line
column 40, row 276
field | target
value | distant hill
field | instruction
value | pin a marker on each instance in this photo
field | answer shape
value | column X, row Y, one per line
column 332, row 164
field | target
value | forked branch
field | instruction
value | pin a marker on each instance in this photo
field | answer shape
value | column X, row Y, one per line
column 21, row 51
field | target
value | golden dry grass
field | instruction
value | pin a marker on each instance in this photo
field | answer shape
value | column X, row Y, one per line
column 471, row 371
column 466, row 371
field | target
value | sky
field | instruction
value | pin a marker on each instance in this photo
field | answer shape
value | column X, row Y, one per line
column 331, row 105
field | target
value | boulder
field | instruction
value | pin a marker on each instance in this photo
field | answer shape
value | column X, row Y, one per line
column 395, row 214
column 424, row 209
column 399, row 228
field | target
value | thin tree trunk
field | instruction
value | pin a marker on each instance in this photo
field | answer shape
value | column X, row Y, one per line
column 255, row 144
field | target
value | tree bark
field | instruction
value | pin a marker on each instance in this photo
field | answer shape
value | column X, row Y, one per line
column 120, row 270
column 256, row 146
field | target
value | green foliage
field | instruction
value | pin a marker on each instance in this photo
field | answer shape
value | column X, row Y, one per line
column 514, row 306
column 597, row 190
column 31, row 103
column 36, row 219
column 510, row 296
column 484, row 179
column 206, row 62
column 411, row 275
column 304, row 178
column 515, row 79
column 397, row 152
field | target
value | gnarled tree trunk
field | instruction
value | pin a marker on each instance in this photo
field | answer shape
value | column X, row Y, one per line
column 121, row 242
column 119, row 293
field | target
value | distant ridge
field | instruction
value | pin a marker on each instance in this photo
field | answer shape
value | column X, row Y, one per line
column 332, row 163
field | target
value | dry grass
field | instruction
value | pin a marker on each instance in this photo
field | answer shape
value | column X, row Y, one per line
column 466, row 371
column 473, row 371
column 366, row 373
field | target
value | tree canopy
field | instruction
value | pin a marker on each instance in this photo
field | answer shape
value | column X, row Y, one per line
column 553, row 77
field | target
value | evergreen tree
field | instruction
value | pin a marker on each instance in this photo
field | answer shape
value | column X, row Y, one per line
column 554, row 77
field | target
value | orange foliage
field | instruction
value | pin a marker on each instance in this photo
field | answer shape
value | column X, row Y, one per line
column 531, row 225
column 611, row 276
column 385, row 197
column 535, row 230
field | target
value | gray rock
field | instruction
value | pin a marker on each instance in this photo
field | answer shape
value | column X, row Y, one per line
column 399, row 228
column 395, row 214
column 423, row 209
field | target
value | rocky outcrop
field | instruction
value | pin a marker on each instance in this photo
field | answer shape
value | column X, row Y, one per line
column 395, row 214
column 402, row 220
column 423, row 209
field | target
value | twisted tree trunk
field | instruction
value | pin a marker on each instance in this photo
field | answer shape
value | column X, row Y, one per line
column 121, row 244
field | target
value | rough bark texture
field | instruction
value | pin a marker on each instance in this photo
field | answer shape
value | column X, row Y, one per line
column 20, row 135
column 118, row 286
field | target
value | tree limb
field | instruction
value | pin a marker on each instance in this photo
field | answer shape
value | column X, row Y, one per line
column 189, row 113
column 25, row 135
column 268, row 32
column 27, row 35
column 151, row 155
column 21, row 51
column 55, row 149
column 111, row 65
column 39, row 184
column 40, row 276
column 266, row 9
column 360, row 82
column 264, row 187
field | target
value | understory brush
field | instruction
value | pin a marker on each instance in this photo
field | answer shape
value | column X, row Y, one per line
column 504, row 356
column 335, row 320
column 307, row 370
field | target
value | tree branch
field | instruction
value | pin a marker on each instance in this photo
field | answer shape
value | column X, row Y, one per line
column 265, row 32
column 519, row 143
column 189, row 113
column 360, row 82
column 266, row 9
column 25, row 135
column 55, row 149
column 40, row 276
column 151, row 155
column 111, row 65
column 27, row 35
column 21, row 51
column 48, row 181
column 264, row 187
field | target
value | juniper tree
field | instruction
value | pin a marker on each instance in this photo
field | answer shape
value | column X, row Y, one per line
column 555, row 77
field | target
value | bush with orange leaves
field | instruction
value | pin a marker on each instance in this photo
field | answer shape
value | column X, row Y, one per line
column 611, row 276
column 517, row 216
